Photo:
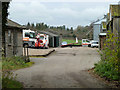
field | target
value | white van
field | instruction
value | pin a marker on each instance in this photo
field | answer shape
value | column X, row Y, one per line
column 85, row 43
column 94, row 44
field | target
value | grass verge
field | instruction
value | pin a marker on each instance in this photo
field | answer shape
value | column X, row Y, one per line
column 72, row 41
column 8, row 78
column 14, row 63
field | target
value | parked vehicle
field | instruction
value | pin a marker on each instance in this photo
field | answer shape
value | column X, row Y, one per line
column 94, row 44
column 42, row 41
column 29, row 38
column 65, row 44
column 86, row 43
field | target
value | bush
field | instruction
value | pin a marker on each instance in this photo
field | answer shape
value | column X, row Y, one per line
column 109, row 65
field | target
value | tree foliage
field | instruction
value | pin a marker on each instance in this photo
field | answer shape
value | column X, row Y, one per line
column 5, row 6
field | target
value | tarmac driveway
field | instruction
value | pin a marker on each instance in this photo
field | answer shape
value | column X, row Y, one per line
column 65, row 68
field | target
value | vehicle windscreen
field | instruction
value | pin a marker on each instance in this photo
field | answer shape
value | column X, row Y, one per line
column 94, row 42
column 41, row 37
column 30, row 35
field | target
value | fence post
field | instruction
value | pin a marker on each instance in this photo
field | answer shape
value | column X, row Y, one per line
column 25, row 53
column 28, row 60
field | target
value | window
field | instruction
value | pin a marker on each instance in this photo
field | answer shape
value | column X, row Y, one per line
column 30, row 35
column 9, row 37
column 87, row 41
column 83, row 40
column 94, row 42
column 41, row 37
column 27, row 34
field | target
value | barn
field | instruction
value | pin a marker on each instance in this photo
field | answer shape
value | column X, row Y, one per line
column 53, row 38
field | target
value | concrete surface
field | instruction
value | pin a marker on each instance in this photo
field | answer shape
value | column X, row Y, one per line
column 39, row 52
column 65, row 68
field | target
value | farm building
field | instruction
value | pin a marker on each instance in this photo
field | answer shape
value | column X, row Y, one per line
column 13, row 39
column 102, row 35
column 112, row 24
column 53, row 39
column 0, row 30
column 113, row 21
column 97, row 28
column 102, row 39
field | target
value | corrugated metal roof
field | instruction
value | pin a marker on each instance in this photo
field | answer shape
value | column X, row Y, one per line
column 103, row 34
column 99, row 22
column 48, row 33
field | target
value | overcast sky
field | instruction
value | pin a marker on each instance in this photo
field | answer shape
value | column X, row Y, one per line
column 58, row 12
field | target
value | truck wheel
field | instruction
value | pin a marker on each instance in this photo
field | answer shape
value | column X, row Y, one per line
column 25, row 45
column 46, row 47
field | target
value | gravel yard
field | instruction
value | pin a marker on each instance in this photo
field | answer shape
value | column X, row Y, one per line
column 65, row 68
column 38, row 52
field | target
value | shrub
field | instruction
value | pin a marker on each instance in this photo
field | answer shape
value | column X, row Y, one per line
column 109, row 65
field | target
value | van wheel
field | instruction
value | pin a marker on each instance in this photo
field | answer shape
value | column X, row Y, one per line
column 89, row 45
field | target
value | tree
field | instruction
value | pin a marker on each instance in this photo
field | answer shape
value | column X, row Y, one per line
column 71, row 30
column 63, row 27
column 67, row 29
column 28, row 24
column 33, row 25
column 5, row 6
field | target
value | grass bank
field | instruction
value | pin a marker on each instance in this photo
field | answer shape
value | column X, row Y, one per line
column 8, row 77
column 72, row 41
column 15, row 63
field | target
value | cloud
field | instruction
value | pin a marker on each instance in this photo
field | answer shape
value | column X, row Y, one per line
column 66, row 0
column 54, row 13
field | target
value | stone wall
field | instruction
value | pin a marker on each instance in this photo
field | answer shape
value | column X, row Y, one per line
column 15, row 48
column 116, row 26
column 0, row 30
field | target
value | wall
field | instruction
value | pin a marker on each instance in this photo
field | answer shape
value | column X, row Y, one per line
column 101, row 42
column 96, row 31
column 9, row 46
column 15, row 48
column 19, row 43
column 116, row 25
column 0, row 30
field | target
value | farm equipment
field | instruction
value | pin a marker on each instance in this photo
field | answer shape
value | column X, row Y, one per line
column 42, row 41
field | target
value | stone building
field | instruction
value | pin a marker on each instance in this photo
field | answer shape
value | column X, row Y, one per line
column 0, row 29
column 112, row 24
column 113, row 21
column 54, row 40
column 13, row 39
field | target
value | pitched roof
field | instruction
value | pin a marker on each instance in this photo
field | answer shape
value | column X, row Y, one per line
column 48, row 33
column 14, row 24
column 99, row 22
